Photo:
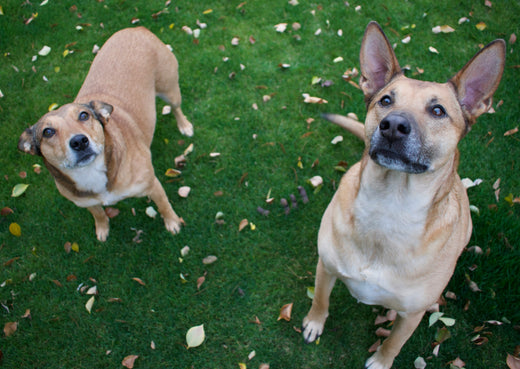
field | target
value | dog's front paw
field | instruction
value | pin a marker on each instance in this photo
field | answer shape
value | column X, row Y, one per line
column 186, row 128
column 312, row 329
column 173, row 225
column 379, row 361
column 102, row 233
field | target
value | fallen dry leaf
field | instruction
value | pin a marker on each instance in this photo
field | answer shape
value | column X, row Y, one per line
column 419, row 363
column 513, row 362
column 316, row 181
column 15, row 229
column 280, row 27
column 374, row 346
column 128, row 362
column 200, row 281
column 6, row 211
column 243, row 224
column 458, row 363
column 382, row 332
column 27, row 314
column 195, row 336
column 481, row 26
column 184, row 191
column 210, row 259
column 285, row 312
column 90, row 303
column 172, row 173
column 443, row 29
column 10, row 328
column 139, row 280
column 111, row 212
column 19, row 189
column 511, row 132
column 313, row 100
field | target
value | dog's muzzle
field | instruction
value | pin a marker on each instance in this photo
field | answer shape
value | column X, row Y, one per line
column 82, row 150
column 396, row 144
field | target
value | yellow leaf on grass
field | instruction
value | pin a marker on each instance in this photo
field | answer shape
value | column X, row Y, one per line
column 242, row 365
column 19, row 189
column 53, row 106
column 172, row 173
column 15, row 229
column 481, row 26
column 195, row 336
column 74, row 247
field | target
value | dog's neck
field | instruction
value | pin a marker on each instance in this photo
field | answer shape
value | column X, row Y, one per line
column 91, row 178
column 400, row 204
column 82, row 182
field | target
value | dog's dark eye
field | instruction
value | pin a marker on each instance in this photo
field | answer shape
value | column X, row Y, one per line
column 83, row 116
column 385, row 100
column 48, row 132
column 438, row 111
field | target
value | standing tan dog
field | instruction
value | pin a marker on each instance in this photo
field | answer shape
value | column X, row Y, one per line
column 400, row 218
column 98, row 147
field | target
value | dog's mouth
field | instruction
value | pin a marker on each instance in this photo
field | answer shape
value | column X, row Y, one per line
column 395, row 161
column 85, row 158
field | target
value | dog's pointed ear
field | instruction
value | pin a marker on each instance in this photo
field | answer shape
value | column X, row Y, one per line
column 28, row 142
column 378, row 62
column 478, row 80
column 102, row 110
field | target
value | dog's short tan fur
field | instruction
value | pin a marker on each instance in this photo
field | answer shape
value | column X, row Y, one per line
column 400, row 217
column 98, row 147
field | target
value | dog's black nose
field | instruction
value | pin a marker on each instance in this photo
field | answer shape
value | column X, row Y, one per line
column 79, row 142
column 395, row 126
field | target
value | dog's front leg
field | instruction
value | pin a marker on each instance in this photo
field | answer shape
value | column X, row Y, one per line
column 404, row 326
column 158, row 195
column 101, row 221
column 314, row 322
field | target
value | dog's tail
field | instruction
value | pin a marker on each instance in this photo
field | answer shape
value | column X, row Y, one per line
column 351, row 125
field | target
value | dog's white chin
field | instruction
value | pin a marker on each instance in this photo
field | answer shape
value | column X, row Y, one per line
column 394, row 163
column 83, row 162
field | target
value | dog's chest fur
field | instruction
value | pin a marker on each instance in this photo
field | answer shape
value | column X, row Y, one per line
column 379, row 254
column 93, row 180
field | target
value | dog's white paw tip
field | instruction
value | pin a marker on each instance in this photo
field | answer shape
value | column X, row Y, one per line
column 376, row 361
column 102, row 235
column 173, row 226
column 187, row 129
column 311, row 331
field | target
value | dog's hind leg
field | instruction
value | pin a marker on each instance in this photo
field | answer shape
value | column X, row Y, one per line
column 101, row 221
column 171, row 221
column 314, row 322
column 403, row 328
column 167, row 88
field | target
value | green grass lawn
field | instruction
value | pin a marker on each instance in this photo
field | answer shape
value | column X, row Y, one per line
column 258, row 270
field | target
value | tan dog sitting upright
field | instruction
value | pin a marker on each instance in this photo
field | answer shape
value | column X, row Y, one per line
column 98, row 147
column 400, row 217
